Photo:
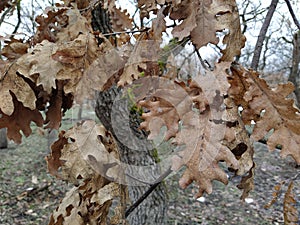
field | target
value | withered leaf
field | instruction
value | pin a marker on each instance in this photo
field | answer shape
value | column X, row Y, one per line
column 20, row 120
column 279, row 113
column 13, row 83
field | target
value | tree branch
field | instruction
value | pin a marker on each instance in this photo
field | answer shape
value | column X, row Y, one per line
column 19, row 18
column 262, row 35
column 147, row 193
column 292, row 13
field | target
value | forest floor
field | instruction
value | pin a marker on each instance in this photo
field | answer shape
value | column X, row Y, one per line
column 28, row 194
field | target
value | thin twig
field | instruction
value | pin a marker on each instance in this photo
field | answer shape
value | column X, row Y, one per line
column 19, row 18
column 126, row 32
column 292, row 13
column 262, row 35
column 200, row 58
column 147, row 193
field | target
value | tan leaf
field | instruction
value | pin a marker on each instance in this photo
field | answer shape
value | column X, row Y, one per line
column 77, row 25
column 88, row 204
column 105, row 66
column 278, row 112
column 196, row 116
column 120, row 20
column 247, row 183
column 142, row 61
column 14, row 49
column 84, row 155
column 201, row 21
column 170, row 103
column 49, row 25
column 202, row 153
column 20, row 120
column 13, row 83
column 158, row 25
column 39, row 66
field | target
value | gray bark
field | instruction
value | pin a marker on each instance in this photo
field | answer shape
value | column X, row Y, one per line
column 3, row 138
column 152, row 211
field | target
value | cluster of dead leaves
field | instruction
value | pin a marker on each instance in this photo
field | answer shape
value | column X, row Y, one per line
column 64, row 62
column 57, row 66
column 79, row 157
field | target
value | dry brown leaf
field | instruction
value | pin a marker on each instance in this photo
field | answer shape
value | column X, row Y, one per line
column 20, row 120
column 120, row 19
column 289, row 209
column 104, row 66
column 50, row 25
column 14, row 49
column 87, row 204
column 247, row 183
column 142, row 61
column 278, row 111
column 13, row 83
column 84, row 161
column 54, row 111
column 202, row 153
column 77, row 25
column 187, row 12
column 158, row 25
column 203, row 18
column 84, row 155
column 146, row 6
column 202, row 134
column 53, row 160
column 39, row 67
column 168, row 105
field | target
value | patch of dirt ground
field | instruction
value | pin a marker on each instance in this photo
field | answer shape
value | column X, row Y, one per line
column 28, row 194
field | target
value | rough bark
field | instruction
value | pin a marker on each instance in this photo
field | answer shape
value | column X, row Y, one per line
column 295, row 72
column 138, row 152
column 152, row 210
column 3, row 138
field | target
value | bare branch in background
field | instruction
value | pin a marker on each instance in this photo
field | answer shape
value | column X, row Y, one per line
column 19, row 18
column 292, row 13
column 262, row 35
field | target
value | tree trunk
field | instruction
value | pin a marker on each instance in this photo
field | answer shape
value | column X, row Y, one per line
column 294, row 76
column 3, row 138
column 153, row 209
column 135, row 150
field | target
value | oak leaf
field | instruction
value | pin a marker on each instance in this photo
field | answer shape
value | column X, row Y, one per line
column 141, row 62
column 203, row 151
column 14, row 49
column 11, row 82
column 85, row 155
column 271, row 110
column 50, row 25
column 120, row 20
column 168, row 104
column 196, row 116
column 20, row 120
column 203, row 18
column 38, row 65
column 88, row 203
